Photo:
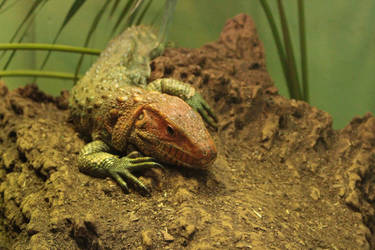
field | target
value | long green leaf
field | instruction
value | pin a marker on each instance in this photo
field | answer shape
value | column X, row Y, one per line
column 133, row 13
column 37, row 73
column 114, row 7
column 9, row 6
column 48, row 47
column 121, row 17
column 279, row 45
column 93, row 27
column 40, row 7
column 72, row 11
column 25, row 19
column 77, row 4
column 2, row 3
column 170, row 6
column 291, row 63
column 35, row 12
column 143, row 13
column 302, row 35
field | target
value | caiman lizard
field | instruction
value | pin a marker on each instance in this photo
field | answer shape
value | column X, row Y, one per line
column 114, row 105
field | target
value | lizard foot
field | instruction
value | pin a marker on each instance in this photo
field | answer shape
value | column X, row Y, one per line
column 199, row 104
column 123, row 168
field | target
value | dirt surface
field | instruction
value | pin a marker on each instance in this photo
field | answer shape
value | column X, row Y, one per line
column 284, row 179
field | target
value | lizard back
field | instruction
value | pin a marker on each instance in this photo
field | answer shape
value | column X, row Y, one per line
column 121, row 70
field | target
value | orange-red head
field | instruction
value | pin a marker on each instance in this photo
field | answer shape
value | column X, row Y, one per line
column 173, row 133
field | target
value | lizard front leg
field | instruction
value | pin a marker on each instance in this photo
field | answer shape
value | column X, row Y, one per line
column 187, row 93
column 95, row 159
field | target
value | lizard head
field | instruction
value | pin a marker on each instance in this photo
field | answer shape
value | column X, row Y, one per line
column 173, row 133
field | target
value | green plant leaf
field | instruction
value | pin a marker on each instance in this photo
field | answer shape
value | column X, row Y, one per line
column 121, row 17
column 133, row 13
column 77, row 4
column 170, row 6
column 49, row 47
column 291, row 63
column 302, row 35
column 2, row 3
column 35, row 12
column 114, row 7
column 93, row 27
column 10, row 5
column 144, row 11
column 37, row 73
column 72, row 11
column 279, row 45
column 28, row 16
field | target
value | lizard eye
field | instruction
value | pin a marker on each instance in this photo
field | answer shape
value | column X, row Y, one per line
column 170, row 130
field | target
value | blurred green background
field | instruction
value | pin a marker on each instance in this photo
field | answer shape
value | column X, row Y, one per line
column 340, row 43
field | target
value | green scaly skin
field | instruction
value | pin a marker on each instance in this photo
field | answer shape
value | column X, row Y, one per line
column 114, row 105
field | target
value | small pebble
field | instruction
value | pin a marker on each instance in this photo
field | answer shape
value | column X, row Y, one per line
column 167, row 236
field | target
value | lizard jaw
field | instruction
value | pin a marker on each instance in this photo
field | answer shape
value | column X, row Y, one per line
column 170, row 154
column 178, row 157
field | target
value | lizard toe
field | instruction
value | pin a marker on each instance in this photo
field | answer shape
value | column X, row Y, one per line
column 120, row 181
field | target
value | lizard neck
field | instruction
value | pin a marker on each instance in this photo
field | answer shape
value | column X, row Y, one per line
column 123, row 127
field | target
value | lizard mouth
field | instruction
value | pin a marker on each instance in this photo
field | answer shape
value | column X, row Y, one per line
column 176, row 156
column 170, row 154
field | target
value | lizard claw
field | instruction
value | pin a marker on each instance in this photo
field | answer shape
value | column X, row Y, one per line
column 134, row 154
column 123, row 168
